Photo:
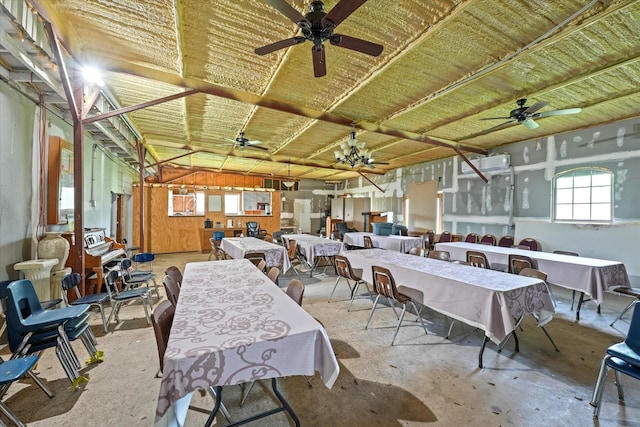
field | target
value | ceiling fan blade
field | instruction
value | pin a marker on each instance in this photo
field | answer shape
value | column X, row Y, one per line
column 286, row 9
column 500, row 126
column 319, row 63
column 341, row 11
column 535, row 107
column 356, row 44
column 560, row 112
column 495, row 118
column 279, row 45
column 257, row 146
column 530, row 124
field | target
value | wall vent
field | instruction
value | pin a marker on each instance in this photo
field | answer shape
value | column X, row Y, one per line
column 487, row 164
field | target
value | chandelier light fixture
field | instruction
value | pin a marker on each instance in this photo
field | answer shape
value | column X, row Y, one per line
column 289, row 183
column 353, row 152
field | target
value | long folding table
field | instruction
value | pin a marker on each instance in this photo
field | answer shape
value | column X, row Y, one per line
column 590, row 276
column 233, row 325
column 490, row 300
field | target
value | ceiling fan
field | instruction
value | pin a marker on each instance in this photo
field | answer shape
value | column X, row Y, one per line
column 317, row 26
column 241, row 142
column 525, row 115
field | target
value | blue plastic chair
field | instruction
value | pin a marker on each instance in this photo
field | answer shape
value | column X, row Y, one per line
column 622, row 357
column 70, row 282
column 30, row 329
column 133, row 279
column 117, row 298
column 11, row 371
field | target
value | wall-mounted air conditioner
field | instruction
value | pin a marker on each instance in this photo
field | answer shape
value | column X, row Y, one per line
column 487, row 164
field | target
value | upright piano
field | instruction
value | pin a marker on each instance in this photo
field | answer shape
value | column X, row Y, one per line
column 100, row 252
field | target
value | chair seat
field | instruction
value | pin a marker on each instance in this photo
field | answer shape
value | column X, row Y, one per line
column 357, row 273
column 402, row 298
column 624, row 352
column 131, row 293
column 634, row 292
column 46, row 305
column 44, row 319
column 92, row 299
column 624, row 367
column 16, row 368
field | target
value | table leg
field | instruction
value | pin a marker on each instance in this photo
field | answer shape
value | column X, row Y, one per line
column 274, row 386
column 484, row 344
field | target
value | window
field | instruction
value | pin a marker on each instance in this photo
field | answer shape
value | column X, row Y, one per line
column 583, row 195
column 185, row 203
column 232, row 203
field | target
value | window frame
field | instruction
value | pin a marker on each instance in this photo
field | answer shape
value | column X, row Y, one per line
column 582, row 172
column 198, row 195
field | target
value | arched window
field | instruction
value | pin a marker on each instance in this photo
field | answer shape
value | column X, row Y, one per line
column 583, row 195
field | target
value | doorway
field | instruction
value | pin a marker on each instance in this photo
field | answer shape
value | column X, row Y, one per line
column 302, row 214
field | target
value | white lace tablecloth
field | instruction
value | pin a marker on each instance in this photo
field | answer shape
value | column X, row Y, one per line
column 233, row 325
column 589, row 275
column 394, row 243
column 313, row 246
column 486, row 299
column 275, row 255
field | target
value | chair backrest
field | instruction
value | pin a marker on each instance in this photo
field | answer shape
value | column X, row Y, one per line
column 335, row 235
column 533, row 244
column 277, row 236
column 70, row 281
column 445, row 237
column 472, row 238
column 262, row 265
column 633, row 336
column 416, row 251
column 429, row 237
column 273, row 274
column 218, row 236
column 518, row 262
column 111, row 283
column 171, row 288
column 441, row 255
column 21, row 302
column 532, row 272
column 255, row 258
column 368, row 243
column 477, row 259
column 488, row 239
column 342, row 228
column 253, row 229
column 125, row 265
column 295, row 290
column 506, row 241
column 291, row 249
column 175, row 274
column 162, row 319
column 215, row 251
column 404, row 232
column 566, row 253
column 343, row 267
column 144, row 258
column 383, row 282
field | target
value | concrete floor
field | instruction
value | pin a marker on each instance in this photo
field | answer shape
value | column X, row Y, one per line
column 422, row 380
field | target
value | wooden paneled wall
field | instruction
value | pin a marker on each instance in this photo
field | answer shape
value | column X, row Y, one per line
column 165, row 234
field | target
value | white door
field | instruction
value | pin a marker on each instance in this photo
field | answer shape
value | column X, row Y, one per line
column 302, row 214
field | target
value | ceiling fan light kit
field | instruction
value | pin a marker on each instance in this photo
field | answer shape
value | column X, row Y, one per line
column 526, row 115
column 317, row 26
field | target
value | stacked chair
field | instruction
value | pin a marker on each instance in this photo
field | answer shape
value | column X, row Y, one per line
column 30, row 329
